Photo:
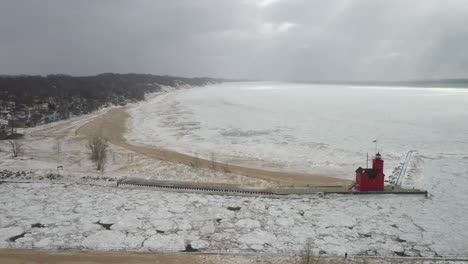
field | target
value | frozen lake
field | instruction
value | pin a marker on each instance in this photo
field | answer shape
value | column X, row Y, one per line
column 44, row 215
column 329, row 129
column 325, row 129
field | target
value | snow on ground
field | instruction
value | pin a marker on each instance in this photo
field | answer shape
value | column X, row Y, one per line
column 66, row 158
column 64, row 214
column 325, row 129
column 53, row 151
column 46, row 215
column 65, row 127
column 41, row 160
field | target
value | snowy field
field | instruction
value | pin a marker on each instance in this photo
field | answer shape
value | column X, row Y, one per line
column 55, row 152
column 42, row 161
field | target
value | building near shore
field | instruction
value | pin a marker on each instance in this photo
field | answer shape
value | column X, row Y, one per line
column 371, row 179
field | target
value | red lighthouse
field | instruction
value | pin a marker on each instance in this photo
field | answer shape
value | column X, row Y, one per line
column 371, row 179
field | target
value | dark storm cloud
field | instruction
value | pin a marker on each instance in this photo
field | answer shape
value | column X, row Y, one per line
column 267, row 39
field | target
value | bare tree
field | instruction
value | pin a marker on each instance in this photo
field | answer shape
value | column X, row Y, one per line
column 213, row 161
column 195, row 162
column 13, row 129
column 226, row 168
column 57, row 146
column 16, row 147
column 306, row 253
column 98, row 151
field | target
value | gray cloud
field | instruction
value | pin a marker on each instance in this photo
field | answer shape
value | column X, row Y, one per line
column 267, row 39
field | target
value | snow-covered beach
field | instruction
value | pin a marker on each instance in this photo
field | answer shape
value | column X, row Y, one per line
column 68, row 212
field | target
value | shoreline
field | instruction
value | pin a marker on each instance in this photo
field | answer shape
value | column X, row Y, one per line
column 113, row 126
column 17, row 256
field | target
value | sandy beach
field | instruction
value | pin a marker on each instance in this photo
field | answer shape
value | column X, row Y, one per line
column 20, row 256
column 87, row 257
column 113, row 125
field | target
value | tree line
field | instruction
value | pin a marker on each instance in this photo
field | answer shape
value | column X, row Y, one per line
column 99, row 89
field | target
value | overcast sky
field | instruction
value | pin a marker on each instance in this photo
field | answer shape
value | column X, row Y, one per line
column 260, row 39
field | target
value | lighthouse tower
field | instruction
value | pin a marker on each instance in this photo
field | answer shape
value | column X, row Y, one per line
column 371, row 179
column 377, row 163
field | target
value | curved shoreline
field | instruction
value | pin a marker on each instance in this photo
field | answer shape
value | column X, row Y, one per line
column 113, row 125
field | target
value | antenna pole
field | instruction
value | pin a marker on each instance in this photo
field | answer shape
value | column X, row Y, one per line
column 367, row 160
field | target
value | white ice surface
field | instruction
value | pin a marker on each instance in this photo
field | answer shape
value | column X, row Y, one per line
column 326, row 129
column 144, row 220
